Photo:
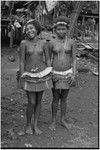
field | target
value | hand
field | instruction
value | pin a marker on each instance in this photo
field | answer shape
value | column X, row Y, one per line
column 69, row 80
column 55, row 79
column 23, row 76
column 73, row 77
column 73, row 80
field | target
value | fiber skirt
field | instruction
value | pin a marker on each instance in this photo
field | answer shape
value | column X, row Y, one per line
column 39, row 85
column 61, row 79
column 35, row 82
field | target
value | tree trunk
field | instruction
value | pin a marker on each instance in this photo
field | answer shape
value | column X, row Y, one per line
column 74, row 17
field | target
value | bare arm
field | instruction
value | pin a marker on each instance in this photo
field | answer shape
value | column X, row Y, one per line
column 74, row 57
column 50, row 48
column 22, row 56
column 47, row 54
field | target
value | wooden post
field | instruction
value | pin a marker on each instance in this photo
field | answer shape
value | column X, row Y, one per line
column 11, row 35
column 83, row 20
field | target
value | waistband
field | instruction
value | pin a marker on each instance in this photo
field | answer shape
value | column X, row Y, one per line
column 63, row 73
column 36, row 80
column 39, row 74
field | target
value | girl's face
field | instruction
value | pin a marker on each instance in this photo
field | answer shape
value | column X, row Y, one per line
column 31, row 31
column 61, row 31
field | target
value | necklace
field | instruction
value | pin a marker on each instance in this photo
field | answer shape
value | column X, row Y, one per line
column 64, row 41
column 34, row 42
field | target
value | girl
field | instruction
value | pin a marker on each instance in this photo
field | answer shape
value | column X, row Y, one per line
column 63, row 52
column 35, row 76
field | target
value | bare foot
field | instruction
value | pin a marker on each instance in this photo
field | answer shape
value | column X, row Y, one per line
column 29, row 130
column 21, row 132
column 37, row 131
column 65, row 124
column 52, row 126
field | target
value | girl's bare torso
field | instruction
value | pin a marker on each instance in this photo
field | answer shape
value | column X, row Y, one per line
column 62, row 55
column 34, row 56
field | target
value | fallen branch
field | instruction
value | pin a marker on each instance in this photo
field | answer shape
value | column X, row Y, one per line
column 93, row 57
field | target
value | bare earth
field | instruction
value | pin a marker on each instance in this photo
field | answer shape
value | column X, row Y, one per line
column 82, row 111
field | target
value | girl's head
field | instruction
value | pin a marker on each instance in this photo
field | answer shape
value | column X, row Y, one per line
column 32, row 28
column 61, row 25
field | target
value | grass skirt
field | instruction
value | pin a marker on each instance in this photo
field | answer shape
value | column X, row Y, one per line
column 61, row 81
column 35, row 85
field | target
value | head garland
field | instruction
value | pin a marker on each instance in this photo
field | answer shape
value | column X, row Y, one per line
column 61, row 20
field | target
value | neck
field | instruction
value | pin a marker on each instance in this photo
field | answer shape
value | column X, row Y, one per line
column 33, row 39
column 62, row 38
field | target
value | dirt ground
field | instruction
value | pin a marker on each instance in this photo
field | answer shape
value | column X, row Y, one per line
column 82, row 111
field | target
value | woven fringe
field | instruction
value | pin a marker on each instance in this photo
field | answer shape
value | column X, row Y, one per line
column 61, row 84
column 28, row 86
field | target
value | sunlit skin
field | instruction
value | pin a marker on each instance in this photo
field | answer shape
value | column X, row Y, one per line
column 31, row 57
column 63, row 52
column 34, row 54
column 31, row 31
column 61, row 31
column 61, row 55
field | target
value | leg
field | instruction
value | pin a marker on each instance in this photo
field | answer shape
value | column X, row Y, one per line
column 30, row 108
column 37, row 112
column 29, row 111
column 56, row 94
column 64, row 94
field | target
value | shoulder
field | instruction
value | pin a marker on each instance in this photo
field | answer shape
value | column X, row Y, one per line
column 52, row 42
column 23, row 45
column 72, row 41
column 42, row 42
column 45, row 42
column 23, row 42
